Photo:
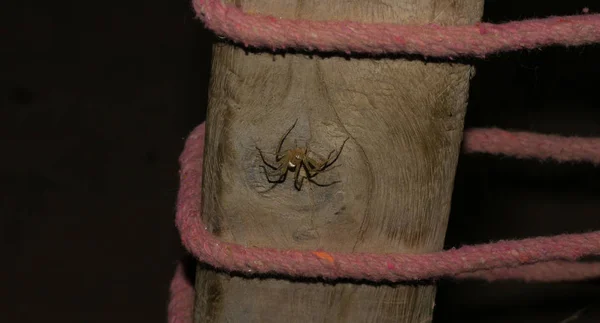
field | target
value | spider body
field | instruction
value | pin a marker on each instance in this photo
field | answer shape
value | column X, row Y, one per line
column 295, row 161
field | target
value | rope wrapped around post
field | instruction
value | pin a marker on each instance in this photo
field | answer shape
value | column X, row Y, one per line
column 534, row 259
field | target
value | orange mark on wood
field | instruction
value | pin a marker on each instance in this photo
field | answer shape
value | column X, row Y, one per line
column 323, row 255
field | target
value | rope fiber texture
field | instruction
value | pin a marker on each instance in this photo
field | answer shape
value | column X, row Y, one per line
column 264, row 31
column 373, row 267
column 542, row 259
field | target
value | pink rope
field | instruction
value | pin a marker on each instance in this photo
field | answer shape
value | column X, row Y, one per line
column 181, row 303
column 532, row 145
column 374, row 267
column 377, row 38
column 535, row 259
column 540, row 272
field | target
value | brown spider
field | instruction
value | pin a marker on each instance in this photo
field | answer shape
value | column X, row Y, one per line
column 294, row 160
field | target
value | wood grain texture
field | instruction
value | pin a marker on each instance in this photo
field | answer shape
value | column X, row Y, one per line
column 404, row 119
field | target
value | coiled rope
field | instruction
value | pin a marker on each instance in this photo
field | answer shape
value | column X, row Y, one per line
column 534, row 259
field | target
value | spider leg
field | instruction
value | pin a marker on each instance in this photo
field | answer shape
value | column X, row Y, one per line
column 330, row 153
column 312, row 168
column 322, row 185
column 275, row 183
column 325, row 170
column 285, row 136
column 264, row 160
column 310, row 174
column 281, row 179
column 298, row 180
column 273, row 186
column 331, row 161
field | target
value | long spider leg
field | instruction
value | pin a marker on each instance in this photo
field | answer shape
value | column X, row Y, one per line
column 314, row 172
column 274, row 184
column 322, row 185
column 264, row 160
column 324, row 166
column 309, row 176
column 281, row 176
column 285, row 136
column 298, row 184
column 281, row 179
column 336, row 156
column 330, row 153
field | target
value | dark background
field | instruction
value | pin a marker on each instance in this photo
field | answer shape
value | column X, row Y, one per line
column 96, row 99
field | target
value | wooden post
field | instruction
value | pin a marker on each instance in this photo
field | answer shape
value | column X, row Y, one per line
column 404, row 121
